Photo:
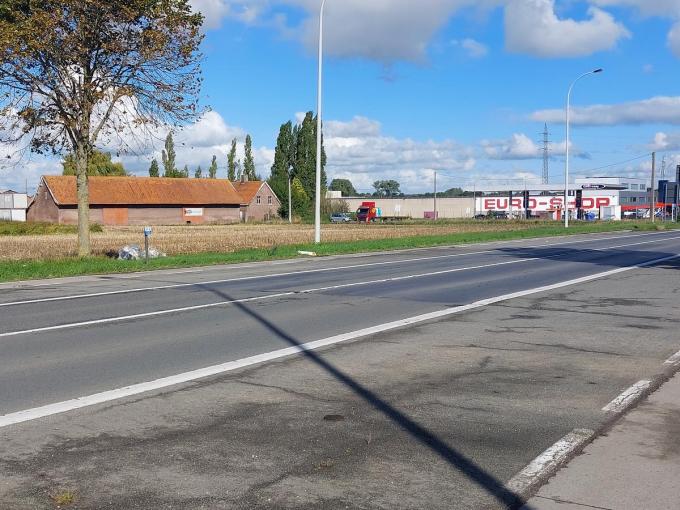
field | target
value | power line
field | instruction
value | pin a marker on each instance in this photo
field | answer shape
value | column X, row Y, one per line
column 619, row 163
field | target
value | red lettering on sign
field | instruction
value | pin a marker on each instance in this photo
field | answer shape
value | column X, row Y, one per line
column 603, row 202
column 490, row 203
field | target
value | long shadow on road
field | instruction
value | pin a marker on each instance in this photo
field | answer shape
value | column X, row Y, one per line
column 455, row 459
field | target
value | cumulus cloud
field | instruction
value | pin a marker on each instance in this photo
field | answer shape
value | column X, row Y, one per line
column 359, row 151
column 665, row 142
column 674, row 39
column 657, row 110
column 533, row 27
column 520, row 147
column 354, row 28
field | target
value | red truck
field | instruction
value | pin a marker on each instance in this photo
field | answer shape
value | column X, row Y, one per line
column 369, row 212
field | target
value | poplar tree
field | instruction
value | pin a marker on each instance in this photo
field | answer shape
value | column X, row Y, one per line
column 282, row 169
column 249, row 161
column 154, row 171
column 169, row 157
column 198, row 174
column 305, row 157
column 212, row 171
column 231, row 161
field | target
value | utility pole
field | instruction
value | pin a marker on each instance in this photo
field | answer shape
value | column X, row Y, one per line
column 546, row 155
column 319, row 124
column 652, row 209
column 435, row 196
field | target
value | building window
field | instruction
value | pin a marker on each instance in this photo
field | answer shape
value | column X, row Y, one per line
column 270, row 200
column 258, row 200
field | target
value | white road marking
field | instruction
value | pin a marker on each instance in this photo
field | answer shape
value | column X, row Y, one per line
column 308, row 271
column 159, row 313
column 673, row 360
column 549, row 461
column 108, row 396
column 621, row 403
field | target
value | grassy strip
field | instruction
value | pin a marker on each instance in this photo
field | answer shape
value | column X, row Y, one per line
column 27, row 270
column 14, row 228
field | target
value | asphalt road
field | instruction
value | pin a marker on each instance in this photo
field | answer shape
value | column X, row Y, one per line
column 309, row 301
column 482, row 393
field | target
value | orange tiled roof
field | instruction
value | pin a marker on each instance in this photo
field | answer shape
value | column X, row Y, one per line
column 247, row 189
column 144, row 191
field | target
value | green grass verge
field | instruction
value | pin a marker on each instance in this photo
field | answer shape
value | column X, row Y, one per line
column 14, row 228
column 27, row 270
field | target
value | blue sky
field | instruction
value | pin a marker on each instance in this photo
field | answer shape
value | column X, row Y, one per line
column 458, row 86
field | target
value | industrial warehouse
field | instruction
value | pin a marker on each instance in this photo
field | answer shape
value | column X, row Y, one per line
column 605, row 198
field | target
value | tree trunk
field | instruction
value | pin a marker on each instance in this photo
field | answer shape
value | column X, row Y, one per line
column 83, row 202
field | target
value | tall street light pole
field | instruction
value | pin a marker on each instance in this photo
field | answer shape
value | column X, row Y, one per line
column 566, row 165
column 317, row 208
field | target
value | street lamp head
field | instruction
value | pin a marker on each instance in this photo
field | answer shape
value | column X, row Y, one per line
column 600, row 70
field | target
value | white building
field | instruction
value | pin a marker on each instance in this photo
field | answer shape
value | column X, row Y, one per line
column 13, row 206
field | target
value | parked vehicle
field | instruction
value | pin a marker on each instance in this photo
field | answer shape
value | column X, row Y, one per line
column 340, row 218
column 493, row 215
column 368, row 212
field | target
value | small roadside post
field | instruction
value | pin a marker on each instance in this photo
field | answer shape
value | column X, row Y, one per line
column 147, row 233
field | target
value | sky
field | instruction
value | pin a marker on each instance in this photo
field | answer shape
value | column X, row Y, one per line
column 460, row 87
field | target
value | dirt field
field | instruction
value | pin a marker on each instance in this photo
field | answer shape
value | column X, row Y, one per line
column 224, row 238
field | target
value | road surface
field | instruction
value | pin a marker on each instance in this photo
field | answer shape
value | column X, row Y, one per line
column 75, row 338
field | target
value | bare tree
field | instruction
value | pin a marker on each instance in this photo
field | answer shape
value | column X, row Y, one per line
column 73, row 72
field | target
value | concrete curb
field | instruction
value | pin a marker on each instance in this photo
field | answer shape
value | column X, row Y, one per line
column 527, row 483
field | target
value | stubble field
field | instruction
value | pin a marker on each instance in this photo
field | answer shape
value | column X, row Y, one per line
column 176, row 240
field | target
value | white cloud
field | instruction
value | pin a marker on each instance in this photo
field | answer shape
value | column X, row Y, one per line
column 674, row 39
column 474, row 49
column 668, row 8
column 359, row 151
column 656, row 110
column 533, row 27
column 520, row 147
column 353, row 28
column 666, row 142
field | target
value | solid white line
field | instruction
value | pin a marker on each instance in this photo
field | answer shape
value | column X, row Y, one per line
column 673, row 360
column 159, row 313
column 308, row 271
column 549, row 461
column 621, row 402
column 62, row 407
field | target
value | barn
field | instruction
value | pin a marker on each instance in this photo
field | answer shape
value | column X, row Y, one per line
column 138, row 201
column 258, row 200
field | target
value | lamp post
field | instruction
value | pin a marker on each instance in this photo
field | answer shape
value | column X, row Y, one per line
column 317, row 207
column 566, row 165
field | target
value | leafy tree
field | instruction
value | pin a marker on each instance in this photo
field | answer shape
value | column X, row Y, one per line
column 301, row 201
column 73, row 71
column 184, row 174
column 199, row 172
column 343, row 185
column 99, row 163
column 169, row 157
column 231, row 161
column 388, row 188
column 305, row 156
column 284, row 156
column 154, row 171
column 249, row 161
column 212, row 171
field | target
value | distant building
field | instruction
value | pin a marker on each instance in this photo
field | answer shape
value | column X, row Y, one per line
column 416, row 208
column 138, row 201
column 258, row 200
column 13, row 205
